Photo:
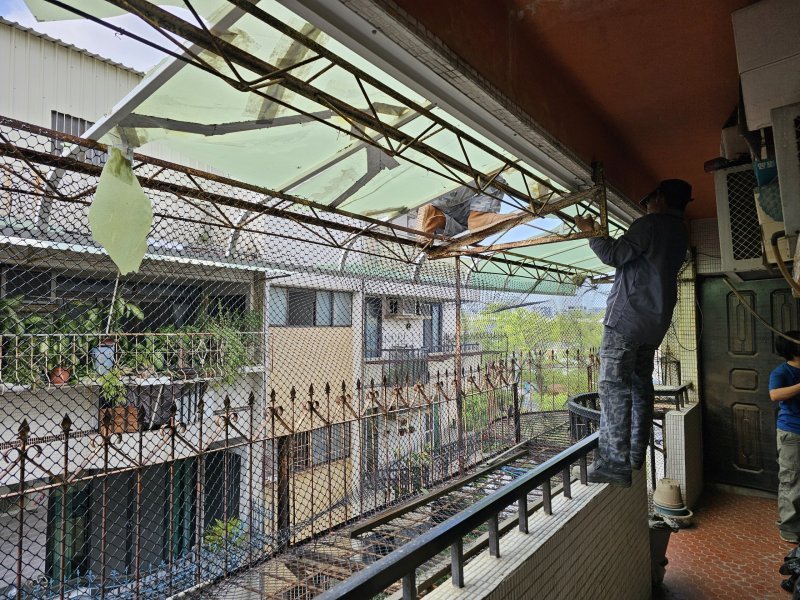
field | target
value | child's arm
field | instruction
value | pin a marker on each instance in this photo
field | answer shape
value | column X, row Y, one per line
column 784, row 393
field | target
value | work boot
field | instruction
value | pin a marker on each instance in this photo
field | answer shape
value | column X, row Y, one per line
column 479, row 220
column 430, row 219
column 599, row 473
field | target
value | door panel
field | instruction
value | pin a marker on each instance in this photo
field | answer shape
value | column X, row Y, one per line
column 737, row 356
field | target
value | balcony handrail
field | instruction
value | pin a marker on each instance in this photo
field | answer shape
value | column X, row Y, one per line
column 579, row 405
column 403, row 562
column 587, row 405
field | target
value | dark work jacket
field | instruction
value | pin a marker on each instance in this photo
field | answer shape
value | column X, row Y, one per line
column 647, row 258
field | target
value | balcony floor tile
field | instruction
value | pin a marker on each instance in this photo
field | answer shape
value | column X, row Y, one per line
column 733, row 551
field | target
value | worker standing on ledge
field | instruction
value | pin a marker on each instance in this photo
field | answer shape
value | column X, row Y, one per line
column 647, row 259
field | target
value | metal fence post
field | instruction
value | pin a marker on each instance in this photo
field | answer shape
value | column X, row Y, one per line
column 458, row 374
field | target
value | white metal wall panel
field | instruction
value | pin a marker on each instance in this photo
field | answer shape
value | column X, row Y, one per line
column 39, row 75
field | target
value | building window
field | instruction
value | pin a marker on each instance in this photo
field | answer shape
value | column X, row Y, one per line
column 331, row 443
column 373, row 326
column 69, row 522
column 342, row 309
column 298, row 307
column 432, row 329
column 320, row 446
column 76, row 126
column 301, row 307
column 301, row 451
column 221, row 493
column 278, row 308
column 181, row 512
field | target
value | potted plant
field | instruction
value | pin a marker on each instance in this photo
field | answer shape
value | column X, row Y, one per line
column 117, row 415
column 59, row 349
column 221, row 531
column 95, row 320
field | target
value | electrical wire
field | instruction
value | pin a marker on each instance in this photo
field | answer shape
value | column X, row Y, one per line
column 752, row 311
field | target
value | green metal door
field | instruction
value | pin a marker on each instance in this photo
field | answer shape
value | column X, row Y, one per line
column 736, row 358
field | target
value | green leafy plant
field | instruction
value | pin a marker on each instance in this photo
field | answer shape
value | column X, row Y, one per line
column 10, row 320
column 231, row 351
column 148, row 356
column 24, row 352
column 230, row 333
column 112, row 388
column 220, row 530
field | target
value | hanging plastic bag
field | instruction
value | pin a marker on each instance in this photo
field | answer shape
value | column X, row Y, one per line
column 121, row 215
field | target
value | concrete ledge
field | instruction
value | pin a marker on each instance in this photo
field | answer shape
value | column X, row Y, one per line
column 595, row 545
column 683, row 440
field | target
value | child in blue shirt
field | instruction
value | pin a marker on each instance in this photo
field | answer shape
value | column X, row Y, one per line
column 784, row 388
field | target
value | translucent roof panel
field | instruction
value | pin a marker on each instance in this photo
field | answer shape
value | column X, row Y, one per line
column 268, row 119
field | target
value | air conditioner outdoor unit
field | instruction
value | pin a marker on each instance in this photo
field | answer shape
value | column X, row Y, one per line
column 737, row 219
column 744, row 229
column 406, row 308
column 786, row 130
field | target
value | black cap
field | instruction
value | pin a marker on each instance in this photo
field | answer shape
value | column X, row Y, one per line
column 676, row 192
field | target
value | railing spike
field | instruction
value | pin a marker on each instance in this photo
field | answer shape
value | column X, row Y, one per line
column 24, row 430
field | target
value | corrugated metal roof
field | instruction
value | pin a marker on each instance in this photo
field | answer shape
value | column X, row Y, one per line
column 44, row 36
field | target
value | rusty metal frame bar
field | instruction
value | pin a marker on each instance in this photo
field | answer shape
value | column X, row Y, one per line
column 468, row 244
column 394, row 238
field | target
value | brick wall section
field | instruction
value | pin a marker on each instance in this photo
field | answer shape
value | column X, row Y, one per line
column 684, row 445
column 595, row 545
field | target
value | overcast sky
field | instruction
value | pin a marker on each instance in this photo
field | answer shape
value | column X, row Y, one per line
column 92, row 36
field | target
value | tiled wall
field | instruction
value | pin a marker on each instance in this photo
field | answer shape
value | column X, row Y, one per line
column 684, row 445
column 595, row 545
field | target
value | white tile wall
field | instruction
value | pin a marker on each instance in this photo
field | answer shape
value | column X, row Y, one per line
column 595, row 545
column 684, row 445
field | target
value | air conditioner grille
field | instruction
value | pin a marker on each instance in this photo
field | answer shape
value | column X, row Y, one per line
column 745, row 232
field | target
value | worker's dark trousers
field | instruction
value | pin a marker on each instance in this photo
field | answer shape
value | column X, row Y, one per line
column 626, row 401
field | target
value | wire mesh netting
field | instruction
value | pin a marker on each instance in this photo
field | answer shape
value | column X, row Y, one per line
column 268, row 383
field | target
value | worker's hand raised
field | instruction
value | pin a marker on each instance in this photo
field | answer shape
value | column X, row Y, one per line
column 584, row 223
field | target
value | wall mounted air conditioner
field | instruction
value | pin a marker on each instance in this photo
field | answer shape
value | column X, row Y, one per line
column 745, row 230
column 406, row 308
column 737, row 219
column 786, row 131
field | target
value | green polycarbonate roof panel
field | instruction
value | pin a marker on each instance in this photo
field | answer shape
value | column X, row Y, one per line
column 278, row 139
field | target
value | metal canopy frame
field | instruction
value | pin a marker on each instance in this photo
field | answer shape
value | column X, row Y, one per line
column 367, row 125
column 28, row 164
